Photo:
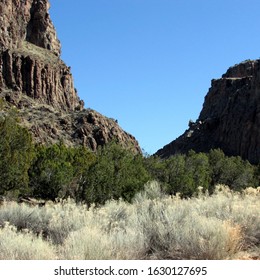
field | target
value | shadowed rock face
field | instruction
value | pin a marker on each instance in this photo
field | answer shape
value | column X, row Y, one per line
column 35, row 80
column 230, row 118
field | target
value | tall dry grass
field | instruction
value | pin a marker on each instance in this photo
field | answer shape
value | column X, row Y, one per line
column 155, row 226
column 23, row 245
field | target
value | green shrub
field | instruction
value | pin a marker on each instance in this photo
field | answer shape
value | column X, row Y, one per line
column 231, row 171
column 116, row 173
column 181, row 173
column 16, row 155
column 57, row 171
column 185, row 173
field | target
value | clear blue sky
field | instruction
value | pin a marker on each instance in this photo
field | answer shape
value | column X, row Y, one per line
column 149, row 63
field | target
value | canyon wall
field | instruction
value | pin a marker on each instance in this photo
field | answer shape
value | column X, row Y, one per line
column 230, row 117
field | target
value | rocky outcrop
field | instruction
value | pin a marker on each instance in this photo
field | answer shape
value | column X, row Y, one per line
column 230, row 118
column 27, row 20
column 35, row 80
column 86, row 127
column 29, row 57
column 40, row 75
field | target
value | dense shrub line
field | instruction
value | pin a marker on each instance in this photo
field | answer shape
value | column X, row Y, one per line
column 184, row 173
column 113, row 172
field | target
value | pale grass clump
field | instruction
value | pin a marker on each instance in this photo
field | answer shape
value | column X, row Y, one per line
column 54, row 222
column 252, row 191
column 66, row 217
column 23, row 245
column 118, row 220
column 110, row 233
column 88, row 243
column 152, row 190
column 23, row 216
column 174, row 230
column 245, row 212
column 240, row 208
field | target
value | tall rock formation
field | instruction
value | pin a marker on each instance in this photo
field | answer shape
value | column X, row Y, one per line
column 29, row 59
column 35, row 80
column 230, row 118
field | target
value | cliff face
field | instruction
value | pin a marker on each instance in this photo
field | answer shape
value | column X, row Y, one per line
column 35, row 80
column 49, row 80
column 230, row 118
column 27, row 20
column 29, row 58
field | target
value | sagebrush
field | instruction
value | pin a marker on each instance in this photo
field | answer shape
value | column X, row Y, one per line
column 224, row 225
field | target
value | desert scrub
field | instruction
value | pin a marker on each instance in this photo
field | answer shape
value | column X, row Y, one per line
column 23, row 245
column 66, row 217
column 240, row 208
column 54, row 221
column 153, row 226
column 173, row 231
column 23, row 216
column 110, row 233
column 88, row 243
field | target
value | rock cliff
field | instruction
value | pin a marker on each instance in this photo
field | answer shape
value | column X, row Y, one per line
column 29, row 58
column 230, row 118
column 35, row 80
column 27, row 20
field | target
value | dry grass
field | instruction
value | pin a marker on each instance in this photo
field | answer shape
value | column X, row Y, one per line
column 23, row 245
column 34, row 51
column 225, row 225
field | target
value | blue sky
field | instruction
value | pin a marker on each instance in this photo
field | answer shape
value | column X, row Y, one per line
column 149, row 63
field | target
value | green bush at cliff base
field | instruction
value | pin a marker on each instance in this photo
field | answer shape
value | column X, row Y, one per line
column 117, row 172
column 185, row 173
column 16, row 155
column 57, row 171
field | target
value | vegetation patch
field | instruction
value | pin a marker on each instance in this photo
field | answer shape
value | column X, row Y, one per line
column 225, row 225
column 113, row 204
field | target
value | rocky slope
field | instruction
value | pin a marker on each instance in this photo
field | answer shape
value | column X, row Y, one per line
column 35, row 80
column 230, row 118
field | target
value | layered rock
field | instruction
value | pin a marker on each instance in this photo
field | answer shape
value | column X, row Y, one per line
column 40, row 75
column 29, row 57
column 27, row 20
column 35, row 80
column 230, row 118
